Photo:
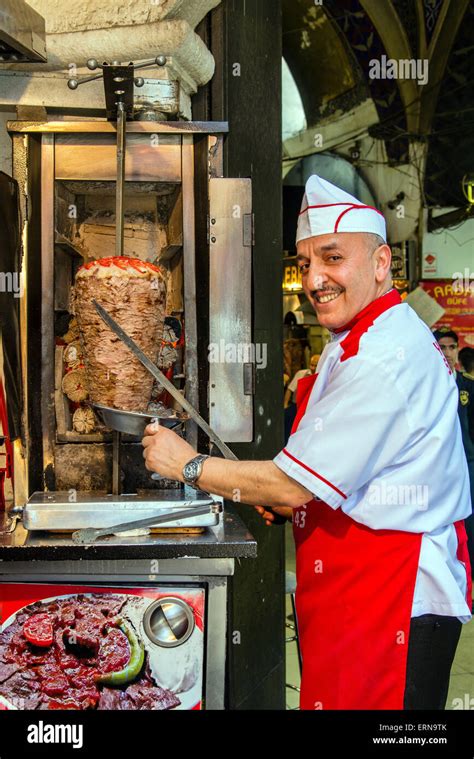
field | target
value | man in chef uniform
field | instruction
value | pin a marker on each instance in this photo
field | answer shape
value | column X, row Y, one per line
column 374, row 472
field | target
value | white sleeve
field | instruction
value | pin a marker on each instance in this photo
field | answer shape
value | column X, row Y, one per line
column 292, row 385
column 357, row 427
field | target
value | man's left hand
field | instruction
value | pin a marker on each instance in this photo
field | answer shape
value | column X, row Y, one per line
column 269, row 516
column 166, row 452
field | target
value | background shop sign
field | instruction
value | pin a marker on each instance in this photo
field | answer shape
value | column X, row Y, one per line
column 291, row 276
column 430, row 263
column 458, row 304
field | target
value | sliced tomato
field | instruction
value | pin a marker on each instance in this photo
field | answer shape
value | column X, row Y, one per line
column 38, row 630
column 68, row 703
column 122, row 262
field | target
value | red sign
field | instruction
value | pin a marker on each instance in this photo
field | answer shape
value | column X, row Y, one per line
column 457, row 299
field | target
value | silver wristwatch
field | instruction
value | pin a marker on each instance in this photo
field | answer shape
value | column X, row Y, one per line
column 192, row 470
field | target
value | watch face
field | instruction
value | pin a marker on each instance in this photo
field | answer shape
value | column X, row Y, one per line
column 191, row 470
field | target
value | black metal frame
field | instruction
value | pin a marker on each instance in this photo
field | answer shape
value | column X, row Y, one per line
column 250, row 34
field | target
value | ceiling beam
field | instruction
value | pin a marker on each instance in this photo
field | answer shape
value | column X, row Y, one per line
column 439, row 50
column 397, row 46
column 420, row 15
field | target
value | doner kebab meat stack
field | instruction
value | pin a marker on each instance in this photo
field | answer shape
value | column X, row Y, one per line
column 134, row 293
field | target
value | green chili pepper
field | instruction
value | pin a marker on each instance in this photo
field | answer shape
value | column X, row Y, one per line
column 135, row 663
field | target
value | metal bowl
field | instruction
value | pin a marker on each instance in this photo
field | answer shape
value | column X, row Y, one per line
column 134, row 422
column 169, row 622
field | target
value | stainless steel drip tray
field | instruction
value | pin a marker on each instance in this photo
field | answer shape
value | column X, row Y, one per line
column 56, row 512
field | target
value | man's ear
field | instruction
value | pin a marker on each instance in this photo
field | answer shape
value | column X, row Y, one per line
column 383, row 262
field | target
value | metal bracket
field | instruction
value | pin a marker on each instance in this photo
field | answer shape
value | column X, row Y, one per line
column 248, row 235
column 118, row 83
column 10, row 524
column 211, row 232
column 118, row 87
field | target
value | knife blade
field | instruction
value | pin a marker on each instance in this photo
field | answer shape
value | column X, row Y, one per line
column 172, row 390
column 164, row 381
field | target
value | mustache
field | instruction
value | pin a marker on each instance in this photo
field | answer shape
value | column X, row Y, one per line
column 322, row 290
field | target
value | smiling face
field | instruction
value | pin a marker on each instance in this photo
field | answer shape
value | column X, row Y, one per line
column 342, row 273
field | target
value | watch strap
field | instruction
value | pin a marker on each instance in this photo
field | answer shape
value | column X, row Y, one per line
column 199, row 459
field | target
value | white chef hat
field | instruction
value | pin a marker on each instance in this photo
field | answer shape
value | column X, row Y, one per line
column 327, row 209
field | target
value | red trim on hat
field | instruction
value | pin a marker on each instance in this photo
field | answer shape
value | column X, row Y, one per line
column 325, row 205
column 351, row 206
column 308, row 469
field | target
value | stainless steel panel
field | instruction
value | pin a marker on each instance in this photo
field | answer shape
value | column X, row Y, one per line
column 139, row 127
column 94, row 157
column 216, row 645
column 64, row 511
column 230, row 330
column 116, row 570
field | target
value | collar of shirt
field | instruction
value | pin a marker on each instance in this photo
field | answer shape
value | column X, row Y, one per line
column 372, row 310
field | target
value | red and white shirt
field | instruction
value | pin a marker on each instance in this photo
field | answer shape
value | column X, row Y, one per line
column 381, row 440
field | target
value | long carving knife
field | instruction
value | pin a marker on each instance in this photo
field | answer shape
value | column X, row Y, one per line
column 172, row 390
column 164, row 381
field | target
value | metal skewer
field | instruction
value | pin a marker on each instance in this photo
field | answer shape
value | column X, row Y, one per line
column 119, row 225
column 120, row 182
